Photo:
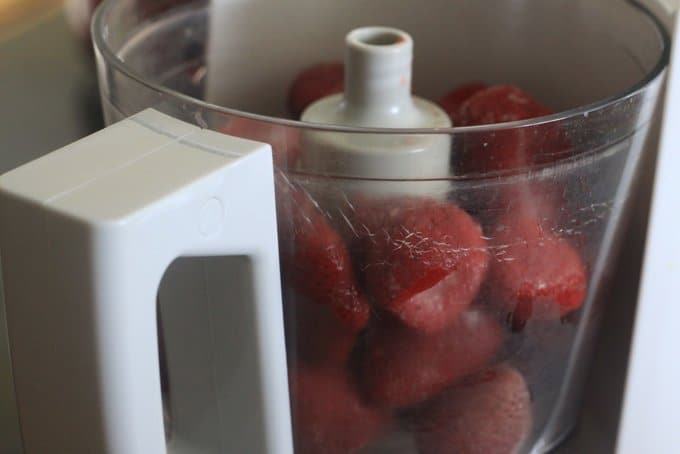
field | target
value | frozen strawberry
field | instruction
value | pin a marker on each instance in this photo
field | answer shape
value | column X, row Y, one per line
column 488, row 413
column 328, row 415
column 314, row 83
column 285, row 141
column 500, row 104
column 543, row 200
column 314, row 260
column 541, row 353
column 453, row 100
column 316, row 335
column 512, row 148
column 535, row 273
column 400, row 367
column 424, row 260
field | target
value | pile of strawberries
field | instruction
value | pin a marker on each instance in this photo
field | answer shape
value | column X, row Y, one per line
column 397, row 309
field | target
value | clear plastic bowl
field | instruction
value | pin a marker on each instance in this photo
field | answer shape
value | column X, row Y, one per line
column 401, row 387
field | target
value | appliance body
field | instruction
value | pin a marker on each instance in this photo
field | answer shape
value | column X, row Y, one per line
column 649, row 407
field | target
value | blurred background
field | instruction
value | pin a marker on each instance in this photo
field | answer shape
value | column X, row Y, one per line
column 48, row 92
column 19, row 14
column 48, row 98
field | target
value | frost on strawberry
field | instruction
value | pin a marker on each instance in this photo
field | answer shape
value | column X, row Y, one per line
column 423, row 260
column 535, row 273
column 488, row 413
column 401, row 367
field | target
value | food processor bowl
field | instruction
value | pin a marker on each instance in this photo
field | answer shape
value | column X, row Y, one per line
column 361, row 371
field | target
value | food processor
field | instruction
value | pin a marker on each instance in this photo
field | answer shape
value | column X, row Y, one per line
column 212, row 273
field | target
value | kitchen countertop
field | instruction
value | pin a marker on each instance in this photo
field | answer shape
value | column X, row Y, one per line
column 49, row 99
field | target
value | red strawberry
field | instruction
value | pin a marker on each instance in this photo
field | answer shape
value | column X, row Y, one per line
column 424, row 260
column 314, row 83
column 314, row 259
column 316, row 335
column 453, row 100
column 401, row 367
column 512, row 148
column 488, row 413
column 328, row 414
column 546, row 200
column 285, row 141
column 535, row 273
column 500, row 104
column 542, row 200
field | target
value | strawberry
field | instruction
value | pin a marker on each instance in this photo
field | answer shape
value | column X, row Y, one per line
column 400, row 367
column 328, row 414
column 314, row 260
column 543, row 200
column 285, row 141
column 500, row 104
column 314, row 83
column 316, row 335
column 453, row 100
column 488, row 413
column 512, row 148
column 535, row 273
column 424, row 260
column 541, row 353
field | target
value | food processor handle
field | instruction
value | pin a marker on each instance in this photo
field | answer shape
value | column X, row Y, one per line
column 86, row 236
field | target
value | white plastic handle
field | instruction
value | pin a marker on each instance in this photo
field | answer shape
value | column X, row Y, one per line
column 86, row 236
